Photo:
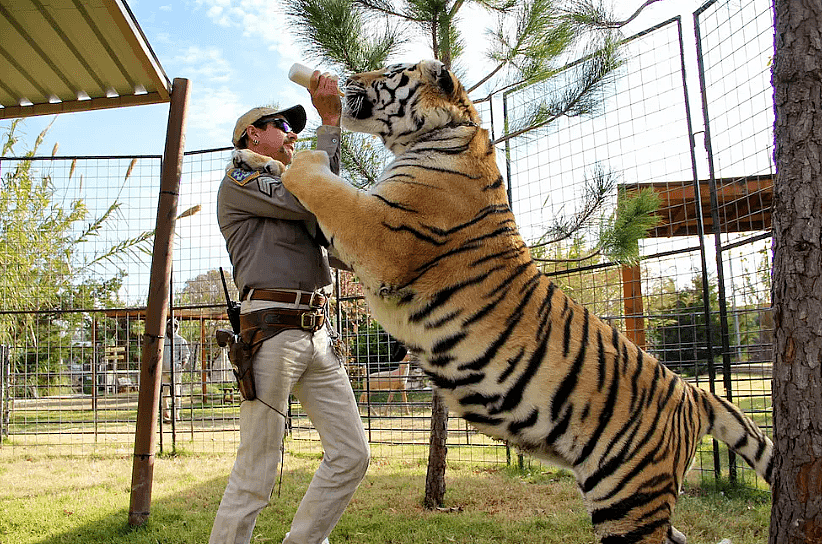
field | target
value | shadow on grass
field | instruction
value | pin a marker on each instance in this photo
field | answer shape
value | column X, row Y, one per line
column 481, row 507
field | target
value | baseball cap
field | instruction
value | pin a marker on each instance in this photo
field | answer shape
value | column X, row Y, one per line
column 295, row 115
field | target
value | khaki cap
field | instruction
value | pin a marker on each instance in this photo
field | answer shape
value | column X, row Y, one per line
column 295, row 115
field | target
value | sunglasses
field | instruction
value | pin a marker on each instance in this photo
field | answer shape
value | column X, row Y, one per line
column 281, row 124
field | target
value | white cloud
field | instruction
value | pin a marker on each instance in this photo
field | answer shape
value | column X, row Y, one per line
column 261, row 22
column 204, row 63
column 212, row 113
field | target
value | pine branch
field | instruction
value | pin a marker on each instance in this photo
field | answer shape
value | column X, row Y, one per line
column 592, row 15
column 579, row 99
column 361, row 161
column 334, row 32
column 597, row 188
column 594, row 253
column 387, row 8
column 633, row 218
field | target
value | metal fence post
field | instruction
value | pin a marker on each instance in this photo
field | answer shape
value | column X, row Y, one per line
column 4, row 392
column 717, row 232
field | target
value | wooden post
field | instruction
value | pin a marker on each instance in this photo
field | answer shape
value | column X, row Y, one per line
column 632, row 295
column 437, row 453
column 148, row 401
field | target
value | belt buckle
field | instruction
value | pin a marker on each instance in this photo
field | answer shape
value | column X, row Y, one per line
column 313, row 302
column 312, row 321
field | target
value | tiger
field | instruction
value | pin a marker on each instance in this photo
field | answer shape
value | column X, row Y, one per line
column 445, row 270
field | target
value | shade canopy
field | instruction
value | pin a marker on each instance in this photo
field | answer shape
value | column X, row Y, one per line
column 60, row 56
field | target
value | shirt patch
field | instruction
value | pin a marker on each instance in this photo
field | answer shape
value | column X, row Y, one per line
column 266, row 185
column 242, row 177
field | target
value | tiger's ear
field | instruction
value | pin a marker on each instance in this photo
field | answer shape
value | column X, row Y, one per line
column 445, row 80
column 440, row 76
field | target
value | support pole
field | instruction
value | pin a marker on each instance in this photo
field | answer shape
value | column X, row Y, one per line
column 632, row 296
column 148, row 402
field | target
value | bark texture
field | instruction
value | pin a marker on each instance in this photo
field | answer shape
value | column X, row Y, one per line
column 796, row 515
column 437, row 453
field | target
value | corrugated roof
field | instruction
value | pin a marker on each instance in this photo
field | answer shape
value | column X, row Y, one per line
column 71, row 55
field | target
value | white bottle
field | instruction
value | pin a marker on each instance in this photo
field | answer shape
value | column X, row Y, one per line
column 301, row 75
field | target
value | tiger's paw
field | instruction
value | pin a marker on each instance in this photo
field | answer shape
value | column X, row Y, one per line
column 250, row 160
column 306, row 166
column 674, row 536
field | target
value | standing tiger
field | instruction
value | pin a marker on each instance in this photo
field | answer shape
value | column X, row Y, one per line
column 445, row 270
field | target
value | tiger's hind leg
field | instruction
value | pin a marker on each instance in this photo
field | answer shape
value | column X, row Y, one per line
column 633, row 510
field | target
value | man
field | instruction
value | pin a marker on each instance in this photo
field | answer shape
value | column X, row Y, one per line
column 281, row 270
column 176, row 355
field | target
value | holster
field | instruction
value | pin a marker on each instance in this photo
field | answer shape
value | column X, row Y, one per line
column 239, row 354
column 256, row 328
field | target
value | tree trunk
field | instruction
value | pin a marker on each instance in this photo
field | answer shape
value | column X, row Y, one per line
column 796, row 515
column 435, row 478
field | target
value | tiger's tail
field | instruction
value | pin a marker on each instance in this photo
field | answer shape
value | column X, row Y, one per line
column 729, row 424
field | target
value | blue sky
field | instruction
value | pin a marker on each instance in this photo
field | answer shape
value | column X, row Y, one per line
column 236, row 54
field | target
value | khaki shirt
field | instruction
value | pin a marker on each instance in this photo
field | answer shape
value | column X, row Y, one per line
column 269, row 235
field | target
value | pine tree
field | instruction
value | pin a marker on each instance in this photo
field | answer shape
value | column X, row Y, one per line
column 796, row 515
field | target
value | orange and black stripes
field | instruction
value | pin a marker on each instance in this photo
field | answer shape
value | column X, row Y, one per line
column 510, row 352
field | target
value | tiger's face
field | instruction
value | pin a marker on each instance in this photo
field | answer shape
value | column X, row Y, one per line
column 404, row 101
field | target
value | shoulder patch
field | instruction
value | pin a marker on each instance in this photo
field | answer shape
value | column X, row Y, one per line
column 242, row 177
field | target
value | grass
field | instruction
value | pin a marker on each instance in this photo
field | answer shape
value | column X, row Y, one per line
column 61, row 499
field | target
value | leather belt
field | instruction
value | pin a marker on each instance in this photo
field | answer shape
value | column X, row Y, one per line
column 281, row 319
column 313, row 300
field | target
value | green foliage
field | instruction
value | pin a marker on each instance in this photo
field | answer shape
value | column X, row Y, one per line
column 371, row 345
column 338, row 32
column 45, row 270
column 680, row 336
column 203, row 290
column 362, row 159
column 633, row 218
column 619, row 233
column 532, row 41
column 598, row 186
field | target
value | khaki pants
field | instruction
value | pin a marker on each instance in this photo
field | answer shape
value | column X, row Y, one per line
column 304, row 363
column 176, row 390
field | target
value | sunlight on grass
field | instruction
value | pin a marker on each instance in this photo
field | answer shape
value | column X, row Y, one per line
column 62, row 499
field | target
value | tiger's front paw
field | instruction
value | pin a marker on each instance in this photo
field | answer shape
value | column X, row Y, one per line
column 306, row 166
column 250, row 160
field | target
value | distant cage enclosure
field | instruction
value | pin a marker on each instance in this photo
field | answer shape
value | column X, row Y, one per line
column 699, row 298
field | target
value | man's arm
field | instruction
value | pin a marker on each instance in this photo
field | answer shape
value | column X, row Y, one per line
column 325, row 97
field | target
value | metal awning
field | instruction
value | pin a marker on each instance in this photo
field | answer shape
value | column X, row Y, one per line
column 60, row 56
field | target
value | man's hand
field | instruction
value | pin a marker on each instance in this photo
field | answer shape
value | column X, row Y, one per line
column 326, row 97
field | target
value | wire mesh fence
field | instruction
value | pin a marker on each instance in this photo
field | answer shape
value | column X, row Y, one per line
column 735, row 48
column 72, row 336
